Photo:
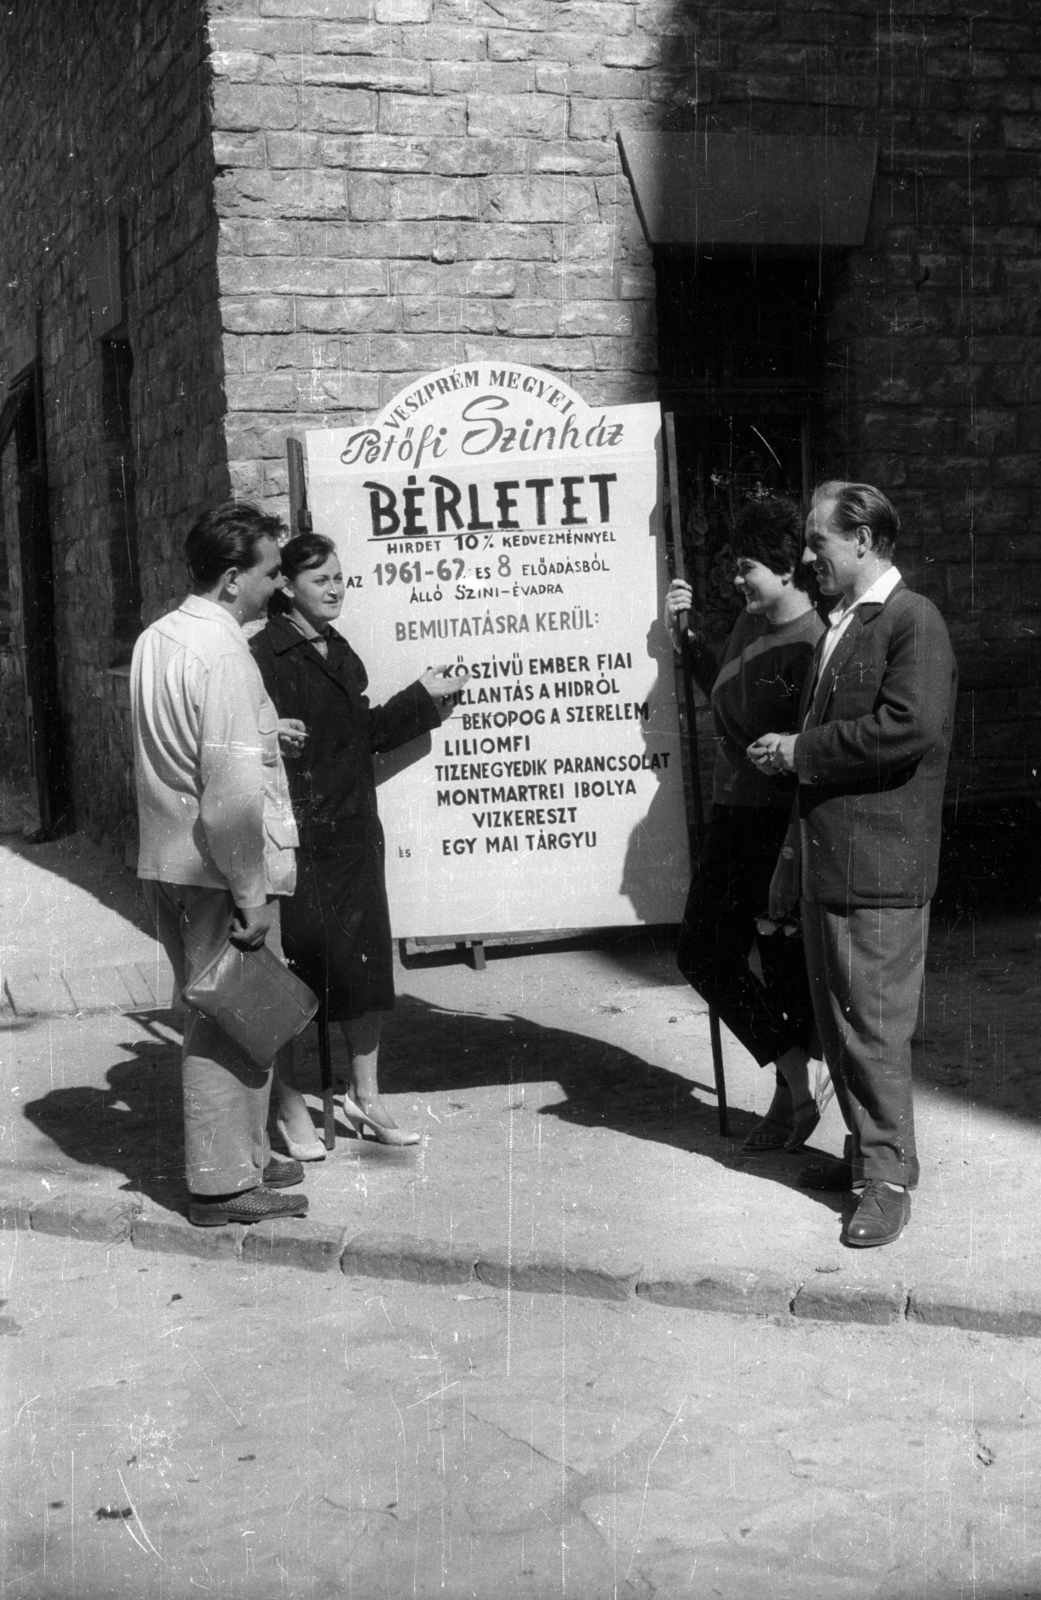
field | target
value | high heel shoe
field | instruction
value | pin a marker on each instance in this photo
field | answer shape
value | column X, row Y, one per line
column 773, row 1131
column 805, row 1118
column 359, row 1120
column 767, row 1135
column 311, row 1151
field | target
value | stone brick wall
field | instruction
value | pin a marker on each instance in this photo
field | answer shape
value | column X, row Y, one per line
column 408, row 183
column 105, row 113
column 404, row 184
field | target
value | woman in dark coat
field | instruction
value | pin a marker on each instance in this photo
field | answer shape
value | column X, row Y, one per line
column 756, row 680
column 336, row 928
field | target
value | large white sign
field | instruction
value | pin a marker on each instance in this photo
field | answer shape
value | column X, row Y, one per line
column 489, row 517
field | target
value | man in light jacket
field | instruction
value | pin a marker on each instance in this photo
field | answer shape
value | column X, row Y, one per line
column 217, row 842
column 876, row 722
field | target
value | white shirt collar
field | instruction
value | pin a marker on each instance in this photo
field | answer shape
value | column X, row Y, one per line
column 879, row 591
column 197, row 605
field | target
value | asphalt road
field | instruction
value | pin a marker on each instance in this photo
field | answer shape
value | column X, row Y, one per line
column 175, row 1428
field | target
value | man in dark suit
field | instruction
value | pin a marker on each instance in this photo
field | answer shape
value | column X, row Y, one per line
column 876, row 721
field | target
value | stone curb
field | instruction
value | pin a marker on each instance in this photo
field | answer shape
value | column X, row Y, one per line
column 15, row 1212
column 321, row 1247
column 758, row 1294
column 607, row 1277
column 1011, row 1312
column 83, row 1216
column 831, row 1300
column 312, row 1245
column 170, row 1234
column 398, row 1255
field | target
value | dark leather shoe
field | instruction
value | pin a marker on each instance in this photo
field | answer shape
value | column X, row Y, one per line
column 881, row 1216
column 829, row 1173
column 282, row 1174
column 251, row 1205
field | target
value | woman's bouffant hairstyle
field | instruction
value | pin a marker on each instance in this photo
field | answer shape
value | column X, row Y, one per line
column 770, row 531
column 861, row 505
column 227, row 537
column 307, row 550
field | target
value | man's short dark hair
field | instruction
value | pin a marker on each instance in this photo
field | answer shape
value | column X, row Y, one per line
column 227, row 537
column 770, row 531
column 861, row 505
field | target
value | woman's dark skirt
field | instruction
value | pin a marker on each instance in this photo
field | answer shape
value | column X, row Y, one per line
column 730, row 890
column 336, row 931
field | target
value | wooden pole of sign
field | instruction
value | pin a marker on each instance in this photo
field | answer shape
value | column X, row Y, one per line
column 299, row 516
column 698, row 828
column 325, row 1072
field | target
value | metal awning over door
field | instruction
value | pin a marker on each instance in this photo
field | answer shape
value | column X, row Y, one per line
column 728, row 190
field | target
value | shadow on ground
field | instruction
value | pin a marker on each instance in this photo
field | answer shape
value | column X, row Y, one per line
column 90, row 867
column 133, row 1125
column 978, row 1043
column 981, row 1017
column 428, row 1049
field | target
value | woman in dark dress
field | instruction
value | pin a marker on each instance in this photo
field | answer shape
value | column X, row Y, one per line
column 336, row 928
column 754, row 681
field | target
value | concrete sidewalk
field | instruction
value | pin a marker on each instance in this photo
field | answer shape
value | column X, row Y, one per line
column 74, row 933
column 570, row 1128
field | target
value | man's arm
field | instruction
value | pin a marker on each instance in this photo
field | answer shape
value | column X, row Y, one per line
column 909, row 717
column 231, row 761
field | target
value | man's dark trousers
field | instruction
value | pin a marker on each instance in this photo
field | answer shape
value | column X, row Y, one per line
column 866, row 966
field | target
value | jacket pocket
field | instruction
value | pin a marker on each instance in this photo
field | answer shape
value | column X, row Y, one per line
column 267, row 727
column 281, row 832
column 886, row 850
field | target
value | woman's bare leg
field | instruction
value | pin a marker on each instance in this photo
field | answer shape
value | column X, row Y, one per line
column 792, row 1066
column 363, row 1046
column 790, row 1111
column 292, row 1107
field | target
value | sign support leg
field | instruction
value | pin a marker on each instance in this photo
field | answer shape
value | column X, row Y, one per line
column 325, row 1070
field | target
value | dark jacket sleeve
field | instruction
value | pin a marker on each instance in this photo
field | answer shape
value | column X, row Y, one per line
column 909, row 716
column 405, row 716
column 704, row 664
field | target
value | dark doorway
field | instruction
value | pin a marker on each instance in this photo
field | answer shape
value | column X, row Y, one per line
column 22, row 419
column 740, row 342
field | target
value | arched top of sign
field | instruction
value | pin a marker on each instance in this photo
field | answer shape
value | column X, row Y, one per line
column 488, row 411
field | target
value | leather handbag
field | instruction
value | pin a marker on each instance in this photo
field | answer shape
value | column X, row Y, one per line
column 255, row 998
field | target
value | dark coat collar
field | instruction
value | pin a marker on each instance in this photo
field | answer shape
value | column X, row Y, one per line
column 283, row 635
